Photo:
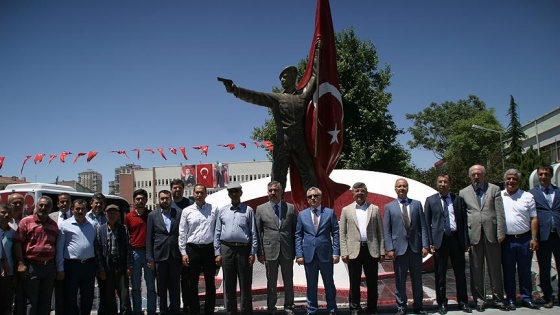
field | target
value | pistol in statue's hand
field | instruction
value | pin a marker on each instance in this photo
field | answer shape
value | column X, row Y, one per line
column 227, row 83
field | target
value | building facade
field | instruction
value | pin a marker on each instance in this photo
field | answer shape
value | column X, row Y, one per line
column 115, row 185
column 92, row 180
column 543, row 135
column 214, row 176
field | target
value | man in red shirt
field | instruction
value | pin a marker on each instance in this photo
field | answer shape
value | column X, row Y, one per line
column 136, row 221
column 34, row 249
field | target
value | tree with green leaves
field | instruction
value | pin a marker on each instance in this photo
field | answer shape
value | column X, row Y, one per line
column 514, row 135
column 446, row 130
column 370, row 134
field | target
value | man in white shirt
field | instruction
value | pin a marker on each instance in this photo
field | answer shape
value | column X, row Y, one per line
column 522, row 227
column 196, row 238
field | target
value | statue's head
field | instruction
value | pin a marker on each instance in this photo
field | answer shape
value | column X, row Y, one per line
column 288, row 77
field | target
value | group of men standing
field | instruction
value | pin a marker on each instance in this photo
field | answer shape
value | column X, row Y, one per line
column 500, row 230
column 64, row 251
column 68, row 249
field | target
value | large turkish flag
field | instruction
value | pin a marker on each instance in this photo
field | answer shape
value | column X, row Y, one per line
column 324, row 114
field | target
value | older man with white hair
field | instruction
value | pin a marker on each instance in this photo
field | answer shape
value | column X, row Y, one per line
column 522, row 227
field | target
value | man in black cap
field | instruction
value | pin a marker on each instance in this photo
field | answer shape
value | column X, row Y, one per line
column 288, row 109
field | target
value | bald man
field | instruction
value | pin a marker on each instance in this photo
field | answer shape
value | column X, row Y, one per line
column 16, row 200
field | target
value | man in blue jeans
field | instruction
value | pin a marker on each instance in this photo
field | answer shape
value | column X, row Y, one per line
column 136, row 221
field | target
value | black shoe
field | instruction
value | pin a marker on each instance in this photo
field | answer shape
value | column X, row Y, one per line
column 401, row 312
column 332, row 313
column 480, row 307
column 502, row 307
column 466, row 308
column 442, row 309
column 420, row 312
column 530, row 305
column 289, row 311
column 511, row 306
column 548, row 304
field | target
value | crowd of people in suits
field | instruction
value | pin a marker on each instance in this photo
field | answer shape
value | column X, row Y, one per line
column 66, row 252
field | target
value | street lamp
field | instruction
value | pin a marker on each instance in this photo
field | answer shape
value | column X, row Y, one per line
column 501, row 142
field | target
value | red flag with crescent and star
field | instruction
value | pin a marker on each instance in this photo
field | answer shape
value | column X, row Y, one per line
column 324, row 115
column 205, row 174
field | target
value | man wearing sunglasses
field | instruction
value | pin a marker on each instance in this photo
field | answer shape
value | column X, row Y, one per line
column 318, row 248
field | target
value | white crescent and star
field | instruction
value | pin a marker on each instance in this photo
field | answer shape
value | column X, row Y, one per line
column 202, row 172
column 325, row 88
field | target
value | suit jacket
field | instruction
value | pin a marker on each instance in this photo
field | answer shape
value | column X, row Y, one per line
column 395, row 232
column 103, row 250
column 350, row 231
column 489, row 215
column 545, row 212
column 160, row 244
column 325, row 243
column 433, row 208
column 274, row 239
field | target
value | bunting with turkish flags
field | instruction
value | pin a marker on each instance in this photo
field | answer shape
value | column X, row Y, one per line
column 324, row 115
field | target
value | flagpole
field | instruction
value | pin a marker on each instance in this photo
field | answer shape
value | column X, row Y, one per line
column 317, row 82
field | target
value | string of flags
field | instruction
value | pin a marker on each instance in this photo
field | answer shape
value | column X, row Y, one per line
column 38, row 158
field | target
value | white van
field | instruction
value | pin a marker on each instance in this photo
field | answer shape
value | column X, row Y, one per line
column 33, row 191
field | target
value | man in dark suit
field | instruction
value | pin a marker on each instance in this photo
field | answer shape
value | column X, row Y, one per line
column 362, row 247
column 406, row 241
column 64, row 212
column 446, row 217
column 487, row 229
column 162, row 252
column 276, row 226
column 114, row 263
column 547, row 202
column 318, row 248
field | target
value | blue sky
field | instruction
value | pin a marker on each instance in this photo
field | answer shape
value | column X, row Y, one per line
column 118, row 75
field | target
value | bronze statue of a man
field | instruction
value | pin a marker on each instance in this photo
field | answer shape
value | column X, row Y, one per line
column 288, row 109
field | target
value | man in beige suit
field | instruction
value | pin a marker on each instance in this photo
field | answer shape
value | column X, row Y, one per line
column 362, row 246
column 487, row 228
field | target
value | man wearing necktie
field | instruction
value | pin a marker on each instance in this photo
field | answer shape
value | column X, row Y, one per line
column 276, row 226
column 235, row 247
column 446, row 217
column 318, row 248
column 487, row 229
column 406, row 242
column 547, row 202
column 63, row 213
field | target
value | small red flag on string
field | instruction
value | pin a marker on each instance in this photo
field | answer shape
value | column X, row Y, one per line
column 39, row 158
column 160, row 150
column 24, row 161
column 63, row 156
column 184, row 152
column 78, row 156
column 137, row 153
column 203, row 149
column 92, row 154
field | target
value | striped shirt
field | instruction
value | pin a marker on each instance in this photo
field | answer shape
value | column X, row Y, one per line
column 37, row 237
